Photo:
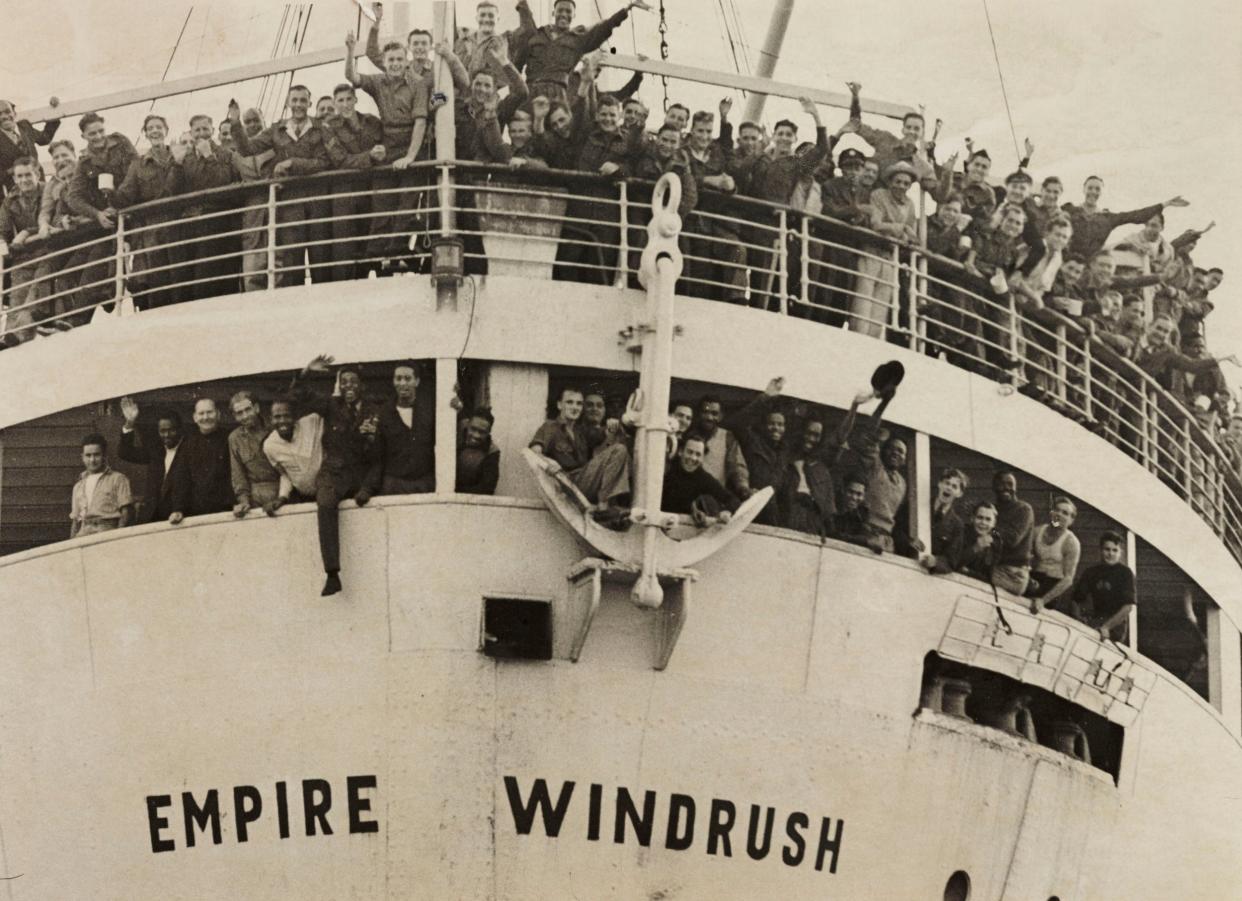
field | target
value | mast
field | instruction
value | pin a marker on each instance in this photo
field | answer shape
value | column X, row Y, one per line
column 777, row 26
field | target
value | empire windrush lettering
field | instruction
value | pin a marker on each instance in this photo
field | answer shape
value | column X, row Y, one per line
column 717, row 823
column 202, row 815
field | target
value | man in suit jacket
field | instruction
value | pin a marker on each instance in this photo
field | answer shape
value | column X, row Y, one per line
column 404, row 459
column 168, row 475
column 207, row 459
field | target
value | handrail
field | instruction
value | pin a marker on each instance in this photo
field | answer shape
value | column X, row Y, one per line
column 805, row 256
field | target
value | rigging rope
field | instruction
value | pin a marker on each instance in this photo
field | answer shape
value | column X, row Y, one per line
column 171, row 56
column 265, row 84
column 1001, row 75
column 664, row 49
column 302, row 40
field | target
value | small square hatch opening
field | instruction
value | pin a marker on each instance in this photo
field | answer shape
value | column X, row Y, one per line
column 517, row 628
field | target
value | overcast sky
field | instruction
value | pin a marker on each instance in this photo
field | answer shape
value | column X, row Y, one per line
column 1145, row 94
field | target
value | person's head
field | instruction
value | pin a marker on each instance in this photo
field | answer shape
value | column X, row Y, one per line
column 1153, row 227
column 899, row 178
column 1110, row 304
column 893, row 453
column 325, row 106
column 978, row 167
column 521, row 130
column 282, row 418
column 94, row 132
column 1063, row 513
column 419, row 42
column 812, row 435
column 155, row 129
column 206, row 415
column 684, row 416
column 701, row 127
column 1050, row 192
column 563, row 13
column 710, row 412
column 853, row 491
column 185, row 141
column 1092, row 188
column 1018, row 186
column 1111, row 547
column 949, row 211
column 1160, row 330
column 483, row 86
column 594, row 408
column 1005, row 485
column 560, row 119
column 1132, row 310
column 245, row 409
column 912, row 126
column 783, row 137
column 64, row 157
column 485, row 15
column 8, row 115
column 693, row 450
column 224, row 132
column 953, row 483
column 1215, row 276
column 168, row 427
column 252, row 121
column 635, row 113
column 344, row 100
column 394, row 58
column 26, row 174
column 349, row 382
column 404, row 383
column 478, row 431
column 668, row 142
column 1057, row 233
column 1194, row 345
column 1072, row 268
column 94, row 453
column 774, row 428
column 1013, row 220
column 201, row 127
column 299, row 100
column 1235, row 428
column 1102, row 267
column 1198, row 281
column 983, row 518
column 851, row 163
column 608, row 114
column 750, row 139
column 870, row 174
column 678, row 116
column 569, row 407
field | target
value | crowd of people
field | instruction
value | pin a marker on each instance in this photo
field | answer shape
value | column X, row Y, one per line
column 532, row 99
column 329, row 442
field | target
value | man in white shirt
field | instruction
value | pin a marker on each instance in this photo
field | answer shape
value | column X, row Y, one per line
column 101, row 498
column 295, row 450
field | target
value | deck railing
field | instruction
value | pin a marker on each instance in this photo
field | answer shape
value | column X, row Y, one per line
column 570, row 226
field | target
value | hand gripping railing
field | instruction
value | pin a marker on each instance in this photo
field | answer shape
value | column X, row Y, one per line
column 556, row 225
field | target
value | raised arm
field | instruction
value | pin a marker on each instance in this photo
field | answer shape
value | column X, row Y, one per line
column 351, row 65
column 373, row 46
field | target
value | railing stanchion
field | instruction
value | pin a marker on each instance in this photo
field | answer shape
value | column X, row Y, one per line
column 271, row 236
column 1088, row 405
column 1014, row 352
column 805, row 237
column 915, row 292
column 120, row 261
column 4, row 298
column 782, row 260
column 623, row 250
column 894, row 295
column 1062, row 360
column 1188, row 461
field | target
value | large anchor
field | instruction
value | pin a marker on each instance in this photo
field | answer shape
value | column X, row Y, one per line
column 655, row 543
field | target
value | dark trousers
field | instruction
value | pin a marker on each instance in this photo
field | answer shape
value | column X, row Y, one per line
column 215, row 253
column 348, row 234
column 294, row 229
column 331, row 487
column 399, row 212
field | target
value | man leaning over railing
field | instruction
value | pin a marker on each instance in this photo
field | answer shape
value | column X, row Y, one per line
column 58, row 221
column 716, row 252
column 19, row 237
column 894, row 216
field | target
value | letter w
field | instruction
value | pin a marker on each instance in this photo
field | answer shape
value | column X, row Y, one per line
column 524, row 812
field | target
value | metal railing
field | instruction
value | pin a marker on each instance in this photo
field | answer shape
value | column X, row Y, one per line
column 570, row 226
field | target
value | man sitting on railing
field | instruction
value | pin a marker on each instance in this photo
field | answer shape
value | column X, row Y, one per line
column 553, row 50
column 1092, row 225
column 157, row 174
column 300, row 148
column 604, row 479
column 100, row 171
column 19, row 231
column 354, row 141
